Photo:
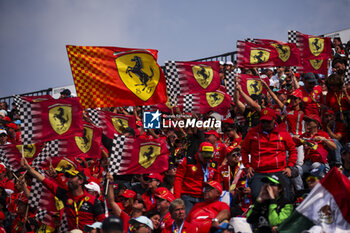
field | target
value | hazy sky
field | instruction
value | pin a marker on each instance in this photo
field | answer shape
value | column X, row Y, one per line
column 34, row 32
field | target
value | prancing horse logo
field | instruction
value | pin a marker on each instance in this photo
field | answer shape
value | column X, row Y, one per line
column 139, row 72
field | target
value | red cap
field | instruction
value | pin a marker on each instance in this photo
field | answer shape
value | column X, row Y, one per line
column 156, row 176
column 206, row 147
column 6, row 118
column 297, row 93
column 329, row 112
column 228, row 120
column 213, row 132
column 215, row 185
column 283, row 91
column 139, row 123
column 128, row 194
column 164, row 193
column 12, row 125
column 232, row 148
column 268, row 114
column 314, row 117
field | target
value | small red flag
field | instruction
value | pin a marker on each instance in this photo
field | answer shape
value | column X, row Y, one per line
column 252, row 85
column 138, row 156
column 252, row 55
column 112, row 76
column 318, row 66
column 314, row 47
column 288, row 53
column 113, row 123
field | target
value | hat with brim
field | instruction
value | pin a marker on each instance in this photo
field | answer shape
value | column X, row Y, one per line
column 267, row 114
column 215, row 185
column 74, row 173
column 143, row 220
column 271, row 180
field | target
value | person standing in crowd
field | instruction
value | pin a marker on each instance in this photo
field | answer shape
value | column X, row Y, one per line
column 192, row 173
column 177, row 211
column 311, row 94
column 267, row 144
column 164, row 198
column 219, row 147
column 211, row 212
column 154, row 180
column 140, row 224
column 271, row 207
column 81, row 208
column 112, row 224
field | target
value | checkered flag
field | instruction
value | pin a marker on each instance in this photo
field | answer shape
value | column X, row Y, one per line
column 17, row 100
column 172, row 81
column 293, row 38
column 117, row 153
column 41, row 214
column 64, row 224
column 25, row 112
column 347, row 71
column 36, row 191
column 230, row 83
column 94, row 115
column 51, row 149
column 4, row 159
column 188, row 103
column 251, row 40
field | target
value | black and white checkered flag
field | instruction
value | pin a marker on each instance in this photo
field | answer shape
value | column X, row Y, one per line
column 17, row 100
column 4, row 159
column 230, row 83
column 347, row 71
column 188, row 103
column 41, row 214
column 64, row 224
column 25, row 112
column 172, row 81
column 117, row 154
column 94, row 115
column 36, row 191
column 293, row 38
column 251, row 40
column 51, row 149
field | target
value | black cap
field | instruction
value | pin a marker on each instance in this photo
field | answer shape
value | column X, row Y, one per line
column 309, row 77
column 66, row 92
column 346, row 148
column 112, row 223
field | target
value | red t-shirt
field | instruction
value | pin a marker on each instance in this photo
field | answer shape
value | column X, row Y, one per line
column 219, row 152
column 336, row 100
column 295, row 122
column 320, row 154
column 187, row 228
column 202, row 213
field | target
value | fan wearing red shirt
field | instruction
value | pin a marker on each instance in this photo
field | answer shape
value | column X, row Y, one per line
column 219, row 147
column 154, row 180
column 211, row 212
column 81, row 208
column 164, row 197
column 193, row 172
column 311, row 94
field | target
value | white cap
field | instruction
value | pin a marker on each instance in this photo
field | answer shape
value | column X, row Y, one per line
column 229, row 63
column 92, row 186
column 143, row 220
column 97, row 225
column 3, row 131
column 222, row 63
column 76, row 231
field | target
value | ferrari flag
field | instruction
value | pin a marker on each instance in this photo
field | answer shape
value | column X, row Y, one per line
column 112, row 76
column 256, row 55
column 251, row 85
column 138, row 156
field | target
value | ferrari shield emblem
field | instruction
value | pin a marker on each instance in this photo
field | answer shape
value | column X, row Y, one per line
column 214, row 98
column 203, row 75
column 84, row 142
column 254, row 87
column 259, row 56
column 140, row 73
column 316, row 45
column 120, row 124
column 60, row 117
column 283, row 51
column 148, row 154
column 316, row 64
column 64, row 165
column 28, row 150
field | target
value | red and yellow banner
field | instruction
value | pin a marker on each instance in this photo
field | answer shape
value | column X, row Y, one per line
column 112, row 76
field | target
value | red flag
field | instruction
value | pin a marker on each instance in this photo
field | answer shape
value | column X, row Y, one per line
column 252, row 85
column 89, row 145
column 198, row 77
column 39, row 98
column 216, row 101
column 288, row 53
column 112, row 76
column 318, row 66
column 256, row 55
column 113, row 123
column 138, row 156
column 314, row 47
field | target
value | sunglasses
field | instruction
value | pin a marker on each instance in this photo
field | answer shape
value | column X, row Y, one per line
column 311, row 179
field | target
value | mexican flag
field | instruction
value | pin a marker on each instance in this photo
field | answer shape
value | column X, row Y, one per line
column 326, row 208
